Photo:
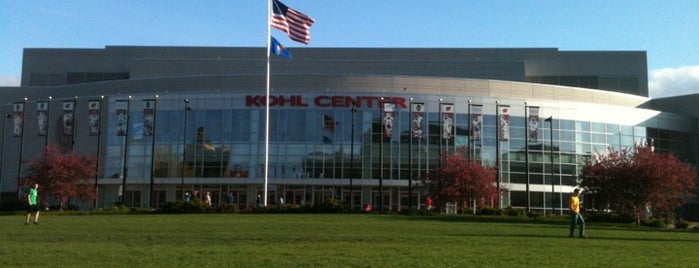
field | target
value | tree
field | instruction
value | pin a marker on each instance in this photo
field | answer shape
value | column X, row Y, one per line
column 626, row 182
column 63, row 176
column 463, row 181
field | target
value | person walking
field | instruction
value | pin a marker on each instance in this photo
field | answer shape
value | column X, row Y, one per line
column 575, row 217
column 33, row 204
column 207, row 198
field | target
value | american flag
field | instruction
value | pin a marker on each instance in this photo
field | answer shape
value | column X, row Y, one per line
column 328, row 123
column 296, row 24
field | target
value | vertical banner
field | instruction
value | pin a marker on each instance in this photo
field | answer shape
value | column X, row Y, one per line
column 18, row 119
column 447, row 115
column 94, row 117
column 121, row 117
column 533, row 124
column 388, row 118
column 148, row 117
column 476, row 127
column 68, row 117
column 417, row 115
column 42, row 114
column 504, row 122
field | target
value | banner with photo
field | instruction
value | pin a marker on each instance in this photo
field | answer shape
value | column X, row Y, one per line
column 122, row 108
column 93, row 108
column 68, row 117
column 42, row 117
column 504, row 122
column 148, row 117
column 446, row 111
column 18, row 119
column 388, row 118
column 476, row 125
column 417, row 117
column 533, row 124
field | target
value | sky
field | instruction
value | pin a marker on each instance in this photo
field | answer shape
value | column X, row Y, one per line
column 667, row 30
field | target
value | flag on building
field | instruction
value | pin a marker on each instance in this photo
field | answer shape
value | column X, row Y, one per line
column 18, row 119
column 148, row 117
column 94, row 117
column 476, row 127
column 278, row 48
column 296, row 24
column 68, row 117
column 328, row 123
column 387, row 121
column 504, row 122
column 418, row 115
column 122, row 119
column 42, row 114
column 447, row 115
column 533, row 124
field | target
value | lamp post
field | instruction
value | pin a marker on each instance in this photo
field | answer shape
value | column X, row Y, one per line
column 152, row 198
column 381, row 115
column 2, row 153
column 351, row 169
column 184, row 142
column 99, row 143
column 553, row 193
column 410, row 156
column 125, row 105
column 21, row 143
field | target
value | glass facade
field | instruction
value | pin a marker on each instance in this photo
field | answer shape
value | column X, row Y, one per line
column 318, row 147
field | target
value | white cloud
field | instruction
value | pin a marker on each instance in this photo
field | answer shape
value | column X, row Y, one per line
column 668, row 82
column 9, row 81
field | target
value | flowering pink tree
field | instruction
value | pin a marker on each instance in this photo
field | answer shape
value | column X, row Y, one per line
column 628, row 181
column 63, row 176
column 462, row 181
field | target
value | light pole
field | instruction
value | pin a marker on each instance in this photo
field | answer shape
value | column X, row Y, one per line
column 98, row 108
column 21, row 142
column 2, row 153
column 125, row 107
column 553, row 193
column 381, row 126
column 152, row 149
column 351, row 169
column 184, row 142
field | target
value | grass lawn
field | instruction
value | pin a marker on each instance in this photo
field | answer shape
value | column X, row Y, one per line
column 329, row 240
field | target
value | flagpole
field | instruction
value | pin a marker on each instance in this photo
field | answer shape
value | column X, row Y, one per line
column 269, row 34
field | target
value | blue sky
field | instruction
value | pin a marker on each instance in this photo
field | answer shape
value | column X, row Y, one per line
column 667, row 30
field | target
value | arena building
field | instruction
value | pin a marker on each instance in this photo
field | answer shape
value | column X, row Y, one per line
column 361, row 124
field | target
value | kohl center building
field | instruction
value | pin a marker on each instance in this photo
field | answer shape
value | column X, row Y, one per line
column 364, row 125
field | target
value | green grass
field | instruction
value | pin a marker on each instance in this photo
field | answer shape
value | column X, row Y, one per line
column 329, row 240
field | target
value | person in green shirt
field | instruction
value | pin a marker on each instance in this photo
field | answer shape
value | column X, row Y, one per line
column 33, row 204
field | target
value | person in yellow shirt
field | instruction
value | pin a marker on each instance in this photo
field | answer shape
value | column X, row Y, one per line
column 575, row 217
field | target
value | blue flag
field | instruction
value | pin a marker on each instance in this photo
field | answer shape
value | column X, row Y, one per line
column 277, row 48
column 327, row 140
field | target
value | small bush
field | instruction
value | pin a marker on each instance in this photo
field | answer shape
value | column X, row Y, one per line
column 184, row 207
column 490, row 211
column 608, row 217
column 510, row 211
column 534, row 214
column 12, row 205
column 682, row 224
column 229, row 208
column 655, row 223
